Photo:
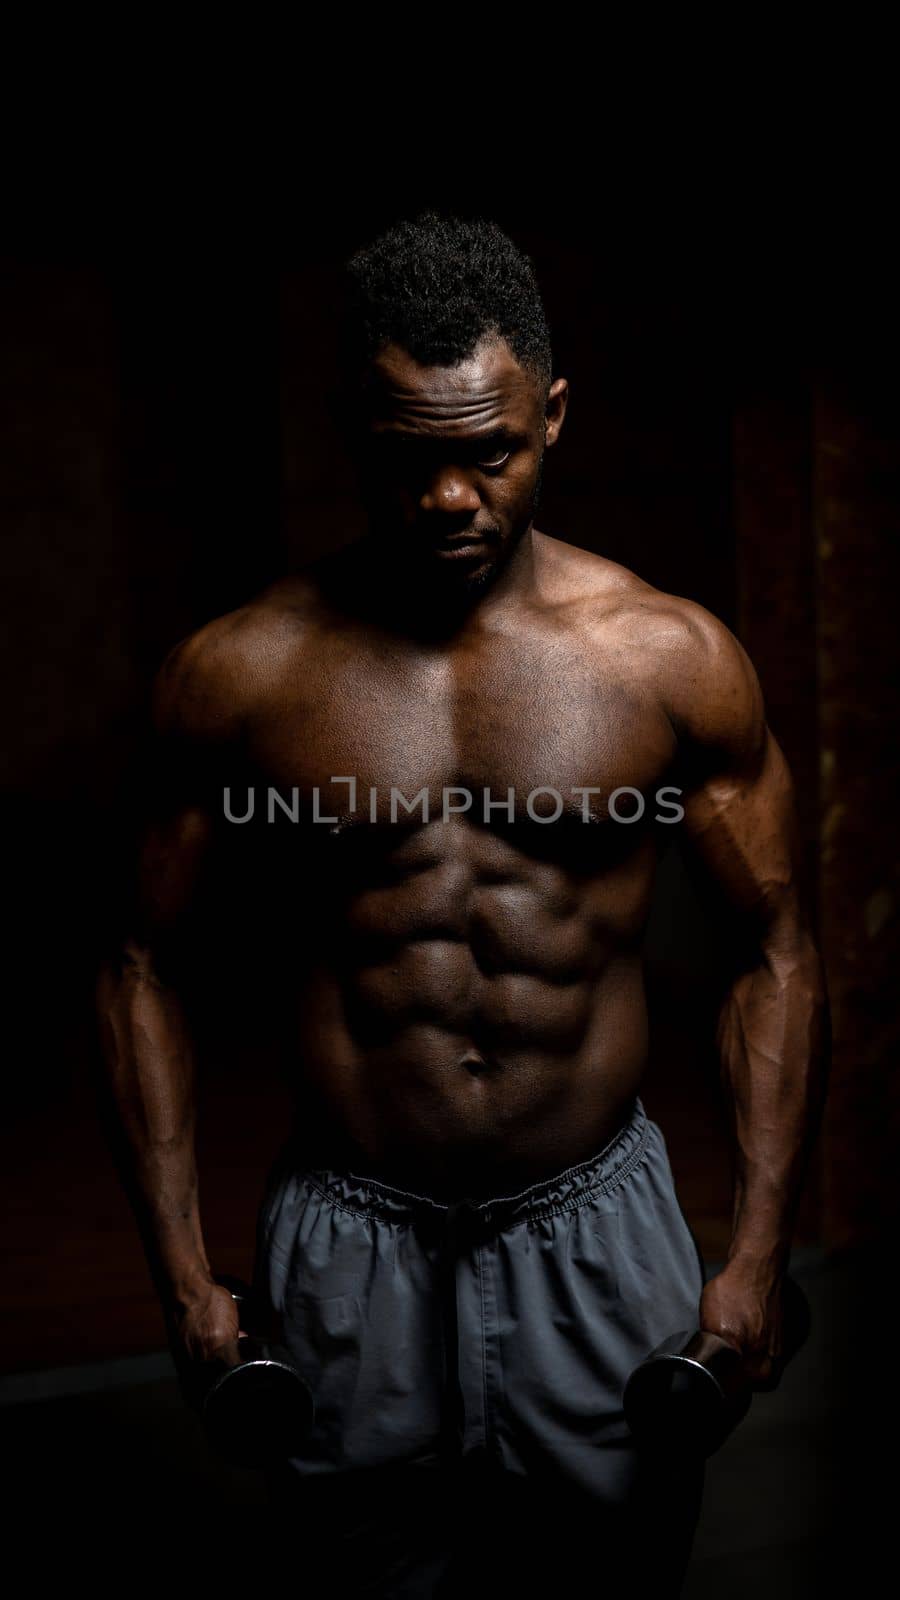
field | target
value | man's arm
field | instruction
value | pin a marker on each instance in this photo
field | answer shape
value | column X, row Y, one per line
column 146, row 1049
column 739, row 837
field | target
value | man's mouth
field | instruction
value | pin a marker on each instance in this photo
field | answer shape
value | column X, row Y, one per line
column 465, row 549
column 465, row 545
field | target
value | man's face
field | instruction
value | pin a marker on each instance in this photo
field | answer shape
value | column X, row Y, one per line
column 450, row 462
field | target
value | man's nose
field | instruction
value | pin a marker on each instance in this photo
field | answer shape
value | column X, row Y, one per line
column 449, row 489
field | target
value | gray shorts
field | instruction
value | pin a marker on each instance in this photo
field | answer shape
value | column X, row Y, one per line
column 496, row 1333
column 468, row 1365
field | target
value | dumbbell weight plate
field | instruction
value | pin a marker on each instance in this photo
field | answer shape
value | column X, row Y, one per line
column 256, row 1407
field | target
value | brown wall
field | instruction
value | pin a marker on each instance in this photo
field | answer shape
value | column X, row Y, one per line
column 857, row 495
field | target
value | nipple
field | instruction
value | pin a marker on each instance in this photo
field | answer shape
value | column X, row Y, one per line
column 474, row 1062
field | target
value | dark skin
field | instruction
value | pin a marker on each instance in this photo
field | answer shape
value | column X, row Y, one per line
column 473, row 1018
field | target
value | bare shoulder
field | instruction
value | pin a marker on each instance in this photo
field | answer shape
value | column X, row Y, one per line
column 584, row 582
column 671, row 646
column 706, row 680
column 212, row 679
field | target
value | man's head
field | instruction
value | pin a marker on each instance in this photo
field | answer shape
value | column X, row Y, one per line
column 448, row 397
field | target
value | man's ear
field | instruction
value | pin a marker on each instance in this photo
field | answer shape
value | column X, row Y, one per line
column 555, row 409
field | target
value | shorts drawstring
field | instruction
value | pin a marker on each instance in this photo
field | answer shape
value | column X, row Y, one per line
column 452, row 1405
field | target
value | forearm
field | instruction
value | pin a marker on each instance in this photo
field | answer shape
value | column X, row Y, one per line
column 151, row 1082
column 774, row 1038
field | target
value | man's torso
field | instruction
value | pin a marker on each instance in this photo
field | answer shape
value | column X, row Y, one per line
column 469, row 1013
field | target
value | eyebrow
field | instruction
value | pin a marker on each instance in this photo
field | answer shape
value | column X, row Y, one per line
column 473, row 442
column 501, row 435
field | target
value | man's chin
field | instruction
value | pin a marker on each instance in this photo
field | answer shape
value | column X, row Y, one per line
column 457, row 577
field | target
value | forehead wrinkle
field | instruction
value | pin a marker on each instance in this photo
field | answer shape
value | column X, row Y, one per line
column 471, row 391
column 483, row 411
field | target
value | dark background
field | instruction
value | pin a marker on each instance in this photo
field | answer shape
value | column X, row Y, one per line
column 732, row 436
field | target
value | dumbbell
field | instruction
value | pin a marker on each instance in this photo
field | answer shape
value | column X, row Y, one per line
column 255, row 1405
column 688, row 1395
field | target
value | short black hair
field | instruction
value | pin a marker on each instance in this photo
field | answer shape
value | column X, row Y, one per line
column 435, row 284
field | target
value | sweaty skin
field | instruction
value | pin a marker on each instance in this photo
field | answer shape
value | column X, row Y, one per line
column 473, row 1017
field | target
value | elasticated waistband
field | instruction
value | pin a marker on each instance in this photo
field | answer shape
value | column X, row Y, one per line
column 565, row 1191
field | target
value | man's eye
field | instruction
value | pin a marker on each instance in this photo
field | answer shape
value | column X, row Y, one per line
column 498, row 459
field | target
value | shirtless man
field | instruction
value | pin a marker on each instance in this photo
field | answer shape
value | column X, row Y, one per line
column 464, row 743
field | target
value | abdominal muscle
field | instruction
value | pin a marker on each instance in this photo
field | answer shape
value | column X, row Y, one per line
column 501, row 1041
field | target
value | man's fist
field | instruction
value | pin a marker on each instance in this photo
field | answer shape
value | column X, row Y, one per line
column 205, row 1322
column 747, row 1312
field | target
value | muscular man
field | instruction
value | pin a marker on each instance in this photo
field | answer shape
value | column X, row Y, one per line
column 456, row 749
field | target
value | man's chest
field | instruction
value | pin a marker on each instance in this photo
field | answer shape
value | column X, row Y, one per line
column 508, row 714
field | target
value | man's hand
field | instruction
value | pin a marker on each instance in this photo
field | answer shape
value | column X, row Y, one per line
column 206, row 1322
column 745, row 1307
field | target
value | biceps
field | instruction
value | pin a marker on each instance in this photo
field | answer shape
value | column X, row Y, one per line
column 739, row 835
column 159, row 888
column 170, row 861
